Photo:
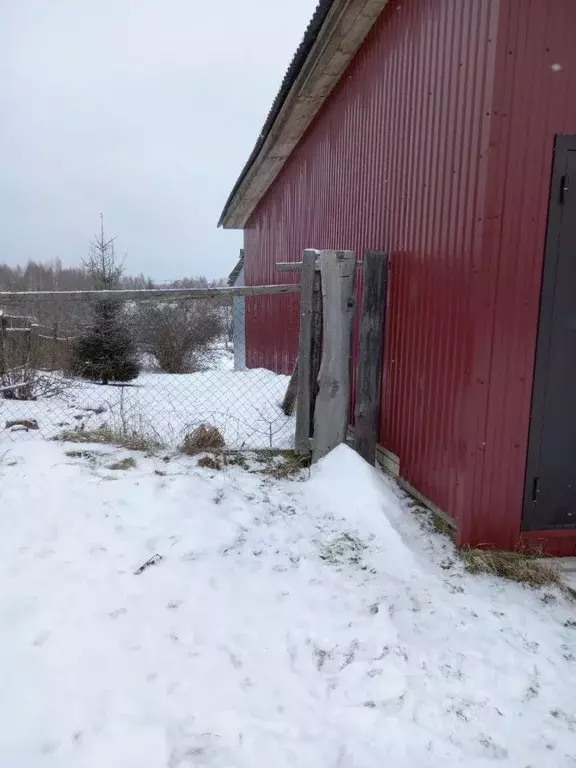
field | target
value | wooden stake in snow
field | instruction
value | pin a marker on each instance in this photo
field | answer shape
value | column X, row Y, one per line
column 331, row 411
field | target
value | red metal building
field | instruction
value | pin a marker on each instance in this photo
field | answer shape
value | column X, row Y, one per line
column 443, row 131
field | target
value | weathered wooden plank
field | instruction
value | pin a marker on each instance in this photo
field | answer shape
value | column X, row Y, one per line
column 295, row 266
column 13, row 387
column 337, row 269
column 303, row 400
column 315, row 357
column 316, row 343
column 291, row 393
column 152, row 294
column 372, row 318
column 56, row 339
column 3, row 339
column 9, row 318
column 290, row 266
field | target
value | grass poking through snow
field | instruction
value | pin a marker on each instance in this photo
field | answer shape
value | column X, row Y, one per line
column 517, row 566
column 281, row 465
column 346, row 548
column 209, row 462
column 132, row 441
column 127, row 463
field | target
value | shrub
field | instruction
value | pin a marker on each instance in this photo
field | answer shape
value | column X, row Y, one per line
column 179, row 335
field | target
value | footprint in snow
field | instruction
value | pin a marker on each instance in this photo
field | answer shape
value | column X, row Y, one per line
column 41, row 638
column 118, row 612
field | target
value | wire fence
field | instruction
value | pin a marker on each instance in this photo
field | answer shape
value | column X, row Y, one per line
column 157, row 372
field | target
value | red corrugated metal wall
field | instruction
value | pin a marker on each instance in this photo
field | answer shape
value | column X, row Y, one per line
column 397, row 159
column 534, row 99
column 437, row 144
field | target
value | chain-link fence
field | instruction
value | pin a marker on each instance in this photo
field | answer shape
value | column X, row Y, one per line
column 152, row 372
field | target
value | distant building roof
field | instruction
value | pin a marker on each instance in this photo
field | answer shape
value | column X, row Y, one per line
column 232, row 277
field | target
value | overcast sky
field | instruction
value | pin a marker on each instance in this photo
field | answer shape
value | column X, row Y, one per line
column 145, row 110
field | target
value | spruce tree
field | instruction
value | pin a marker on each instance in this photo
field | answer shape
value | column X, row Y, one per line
column 106, row 351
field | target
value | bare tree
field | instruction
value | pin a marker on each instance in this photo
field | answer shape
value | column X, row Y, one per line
column 178, row 336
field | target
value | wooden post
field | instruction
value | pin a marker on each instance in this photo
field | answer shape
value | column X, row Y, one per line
column 55, row 346
column 331, row 414
column 291, row 392
column 372, row 318
column 32, row 337
column 316, row 346
column 3, row 343
column 303, row 400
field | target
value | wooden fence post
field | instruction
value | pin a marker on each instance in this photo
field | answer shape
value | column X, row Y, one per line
column 54, row 362
column 3, row 341
column 369, row 380
column 337, row 270
column 316, row 346
column 32, row 345
column 291, row 393
column 304, row 397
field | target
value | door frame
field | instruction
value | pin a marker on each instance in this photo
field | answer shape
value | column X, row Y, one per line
column 562, row 145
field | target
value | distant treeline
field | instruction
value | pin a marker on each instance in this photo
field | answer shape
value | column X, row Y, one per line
column 52, row 276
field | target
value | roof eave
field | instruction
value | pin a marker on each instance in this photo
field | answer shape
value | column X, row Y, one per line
column 341, row 34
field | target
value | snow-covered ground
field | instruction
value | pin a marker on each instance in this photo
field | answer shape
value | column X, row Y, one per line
column 311, row 624
column 244, row 405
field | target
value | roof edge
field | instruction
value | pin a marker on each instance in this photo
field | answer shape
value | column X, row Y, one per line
column 337, row 30
column 237, row 268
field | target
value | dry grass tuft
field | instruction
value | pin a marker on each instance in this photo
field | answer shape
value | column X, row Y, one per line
column 517, row 566
column 132, row 441
column 442, row 527
column 280, row 464
column 209, row 462
column 89, row 455
column 289, row 465
column 204, row 438
column 128, row 463
column 236, row 460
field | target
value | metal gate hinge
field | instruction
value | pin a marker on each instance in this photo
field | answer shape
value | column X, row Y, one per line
column 564, row 186
column 535, row 490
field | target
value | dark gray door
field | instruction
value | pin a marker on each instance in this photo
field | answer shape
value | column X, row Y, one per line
column 550, row 493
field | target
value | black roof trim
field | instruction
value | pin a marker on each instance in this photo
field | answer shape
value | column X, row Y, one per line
column 296, row 64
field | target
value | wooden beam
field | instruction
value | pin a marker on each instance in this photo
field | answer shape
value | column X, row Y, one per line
column 303, row 401
column 291, row 266
column 331, row 414
column 368, row 390
column 296, row 266
column 153, row 294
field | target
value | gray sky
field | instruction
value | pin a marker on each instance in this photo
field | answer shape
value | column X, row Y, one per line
column 145, row 110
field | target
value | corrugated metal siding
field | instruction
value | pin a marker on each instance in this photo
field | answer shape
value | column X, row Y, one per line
column 532, row 103
column 397, row 159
